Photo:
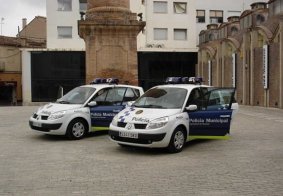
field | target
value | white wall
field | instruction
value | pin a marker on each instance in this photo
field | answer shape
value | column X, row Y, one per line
column 168, row 20
column 153, row 20
column 26, row 76
column 63, row 18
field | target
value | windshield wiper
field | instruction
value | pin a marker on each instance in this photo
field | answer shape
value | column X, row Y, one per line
column 149, row 106
column 63, row 102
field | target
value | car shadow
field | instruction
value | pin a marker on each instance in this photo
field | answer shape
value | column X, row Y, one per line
column 97, row 133
column 46, row 137
column 158, row 151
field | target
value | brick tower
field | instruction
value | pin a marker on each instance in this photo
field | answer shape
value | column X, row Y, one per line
column 110, row 32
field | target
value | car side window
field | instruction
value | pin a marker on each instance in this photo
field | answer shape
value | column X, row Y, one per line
column 115, row 95
column 194, row 98
column 110, row 96
column 100, row 96
column 130, row 95
column 219, row 99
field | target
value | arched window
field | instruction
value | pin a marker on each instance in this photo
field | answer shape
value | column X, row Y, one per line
column 234, row 31
column 259, row 19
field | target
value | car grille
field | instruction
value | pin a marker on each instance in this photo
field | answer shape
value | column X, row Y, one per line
column 35, row 116
column 44, row 117
column 122, row 124
column 140, row 126
column 137, row 126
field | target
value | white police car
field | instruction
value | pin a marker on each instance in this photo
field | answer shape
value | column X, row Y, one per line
column 171, row 114
column 84, row 109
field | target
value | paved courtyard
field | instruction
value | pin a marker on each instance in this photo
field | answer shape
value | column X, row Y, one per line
column 251, row 163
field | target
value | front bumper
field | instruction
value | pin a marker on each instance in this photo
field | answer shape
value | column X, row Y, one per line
column 142, row 138
column 55, row 127
column 158, row 138
column 45, row 127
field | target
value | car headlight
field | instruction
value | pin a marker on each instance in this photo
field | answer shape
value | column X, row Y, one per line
column 56, row 115
column 157, row 123
column 115, row 120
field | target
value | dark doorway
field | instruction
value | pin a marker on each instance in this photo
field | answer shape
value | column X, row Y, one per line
column 54, row 70
column 155, row 67
column 7, row 93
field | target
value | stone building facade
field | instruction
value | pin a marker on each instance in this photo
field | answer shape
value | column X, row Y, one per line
column 246, row 53
column 110, row 32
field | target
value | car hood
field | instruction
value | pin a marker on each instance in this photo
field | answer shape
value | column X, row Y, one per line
column 144, row 115
column 51, row 108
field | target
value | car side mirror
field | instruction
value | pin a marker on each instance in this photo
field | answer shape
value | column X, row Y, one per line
column 192, row 108
column 129, row 103
column 92, row 104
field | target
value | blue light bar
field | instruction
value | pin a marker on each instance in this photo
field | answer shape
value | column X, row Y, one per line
column 195, row 80
column 173, row 80
column 105, row 81
column 112, row 81
column 184, row 80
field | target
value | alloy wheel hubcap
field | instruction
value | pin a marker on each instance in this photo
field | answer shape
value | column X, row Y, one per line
column 78, row 129
column 179, row 140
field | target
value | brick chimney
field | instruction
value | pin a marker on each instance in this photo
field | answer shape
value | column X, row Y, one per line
column 24, row 23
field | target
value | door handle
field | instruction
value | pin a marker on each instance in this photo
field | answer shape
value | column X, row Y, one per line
column 224, row 116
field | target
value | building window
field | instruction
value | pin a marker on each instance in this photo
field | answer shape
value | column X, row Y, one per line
column 200, row 16
column 64, row 5
column 180, row 34
column 216, row 16
column 180, row 8
column 234, row 31
column 64, row 32
column 83, row 7
column 160, row 6
column 259, row 19
column 160, row 33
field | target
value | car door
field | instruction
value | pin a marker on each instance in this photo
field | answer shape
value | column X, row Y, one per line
column 110, row 101
column 212, row 120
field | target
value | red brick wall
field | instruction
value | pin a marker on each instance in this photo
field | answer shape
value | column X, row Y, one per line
column 214, row 73
column 205, row 73
column 239, row 79
column 247, row 77
column 274, row 74
column 258, row 82
column 228, row 71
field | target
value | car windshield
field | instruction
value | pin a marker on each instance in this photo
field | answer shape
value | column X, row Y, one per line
column 78, row 95
column 162, row 97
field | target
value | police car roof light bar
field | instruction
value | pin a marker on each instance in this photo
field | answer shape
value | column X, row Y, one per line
column 195, row 80
column 112, row 80
column 105, row 81
column 173, row 80
column 184, row 80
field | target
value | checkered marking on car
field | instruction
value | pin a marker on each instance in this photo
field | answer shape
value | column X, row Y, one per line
column 126, row 113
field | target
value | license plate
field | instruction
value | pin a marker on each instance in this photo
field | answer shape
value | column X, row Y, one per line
column 37, row 124
column 128, row 135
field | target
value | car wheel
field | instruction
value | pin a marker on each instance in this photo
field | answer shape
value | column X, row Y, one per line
column 177, row 141
column 77, row 129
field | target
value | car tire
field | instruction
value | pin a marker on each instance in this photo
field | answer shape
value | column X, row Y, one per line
column 77, row 129
column 177, row 141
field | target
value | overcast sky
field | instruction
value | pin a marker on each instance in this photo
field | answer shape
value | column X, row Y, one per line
column 14, row 10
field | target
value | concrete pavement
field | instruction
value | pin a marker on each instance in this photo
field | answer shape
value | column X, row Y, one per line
column 251, row 163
